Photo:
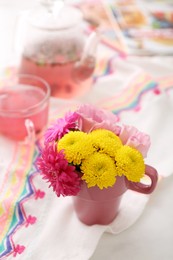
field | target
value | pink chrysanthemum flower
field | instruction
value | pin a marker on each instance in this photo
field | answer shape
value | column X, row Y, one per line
column 61, row 127
column 56, row 170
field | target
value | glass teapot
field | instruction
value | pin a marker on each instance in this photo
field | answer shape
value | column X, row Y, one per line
column 54, row 47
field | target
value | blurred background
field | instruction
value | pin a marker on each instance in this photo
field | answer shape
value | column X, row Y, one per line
column 9, row 13
column 138, row 27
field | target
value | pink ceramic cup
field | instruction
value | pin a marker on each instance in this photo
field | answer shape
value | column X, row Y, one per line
column 95, row 206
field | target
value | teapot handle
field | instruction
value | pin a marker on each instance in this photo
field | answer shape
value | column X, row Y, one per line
column 85, row 67
column 90, row 46
column 143, row 188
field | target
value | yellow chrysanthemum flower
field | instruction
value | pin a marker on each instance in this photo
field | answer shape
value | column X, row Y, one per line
column 130, row 162
column 105, row 141
column 99, row 170
column 76, row 146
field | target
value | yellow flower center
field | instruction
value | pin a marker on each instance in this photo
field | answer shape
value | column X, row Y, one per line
column 99, row 170
column 105, row 141
column 76, row 146
column 129, row 162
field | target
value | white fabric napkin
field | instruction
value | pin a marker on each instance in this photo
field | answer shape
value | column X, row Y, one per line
column 60, row 235
column 57, row 233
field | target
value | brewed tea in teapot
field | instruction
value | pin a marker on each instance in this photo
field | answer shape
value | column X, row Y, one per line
column 55, row 48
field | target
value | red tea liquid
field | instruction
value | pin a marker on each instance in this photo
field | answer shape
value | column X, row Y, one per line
column 19, row 103
column 63, row 80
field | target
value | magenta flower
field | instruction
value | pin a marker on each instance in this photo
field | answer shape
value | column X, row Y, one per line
column 56, row 170
column 61, row 127
column 130, row 136
column 92, row 118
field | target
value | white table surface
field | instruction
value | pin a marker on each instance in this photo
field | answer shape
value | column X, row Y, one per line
column 151, row 237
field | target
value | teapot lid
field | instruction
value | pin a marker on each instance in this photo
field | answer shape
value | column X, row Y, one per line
column 54, row 15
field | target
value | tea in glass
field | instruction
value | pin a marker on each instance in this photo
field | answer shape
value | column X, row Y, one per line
column 54, row 47
column 66, row 80
column 25, row 97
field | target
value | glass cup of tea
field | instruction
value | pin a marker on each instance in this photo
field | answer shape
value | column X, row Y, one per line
column 24, row 106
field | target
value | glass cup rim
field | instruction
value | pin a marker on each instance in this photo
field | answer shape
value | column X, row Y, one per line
column 28, row 111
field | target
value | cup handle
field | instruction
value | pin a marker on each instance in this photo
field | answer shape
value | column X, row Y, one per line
column 30, row 131
column 143, row 188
